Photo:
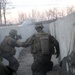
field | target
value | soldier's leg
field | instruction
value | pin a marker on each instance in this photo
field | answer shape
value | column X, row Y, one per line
column 50, row 65
column 47, row 66
column 4, row 70
column 13, row 63
column 37, row 68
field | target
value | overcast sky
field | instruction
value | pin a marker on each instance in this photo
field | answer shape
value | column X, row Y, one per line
column 42, row 3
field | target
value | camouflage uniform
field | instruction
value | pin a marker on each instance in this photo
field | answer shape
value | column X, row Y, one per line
column 8, row 50
column 4, row 70
column 42, row 62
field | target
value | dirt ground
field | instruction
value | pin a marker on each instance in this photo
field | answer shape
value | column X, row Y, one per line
column 25, row 59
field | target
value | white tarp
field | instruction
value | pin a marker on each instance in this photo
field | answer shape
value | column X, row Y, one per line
column 62, row 30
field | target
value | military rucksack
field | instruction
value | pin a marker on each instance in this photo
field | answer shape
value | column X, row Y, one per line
column 41, row 43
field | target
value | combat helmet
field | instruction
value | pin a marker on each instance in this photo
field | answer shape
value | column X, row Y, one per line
column 38, row 25
column 13, row 32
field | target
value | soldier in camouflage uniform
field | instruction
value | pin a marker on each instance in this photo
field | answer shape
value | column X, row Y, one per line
column 3, row 69
column 8, row 50
column 42, row 60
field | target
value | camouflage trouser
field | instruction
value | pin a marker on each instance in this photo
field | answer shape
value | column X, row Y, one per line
column 4, row 70
column 13, row 63
column 41, row 67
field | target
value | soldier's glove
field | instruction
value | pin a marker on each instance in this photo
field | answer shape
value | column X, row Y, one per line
column 18, row 43
column 23, row 44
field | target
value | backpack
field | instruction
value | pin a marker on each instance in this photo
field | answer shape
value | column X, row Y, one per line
column 41, row 43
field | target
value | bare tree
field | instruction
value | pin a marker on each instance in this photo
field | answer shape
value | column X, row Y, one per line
column 48, row 14
column 61, row 14
column 55, row 13
column 41, row 16
column 5, row 4
column 4, row 10
column 38, row 15
column 33, row 14
column 21, row 17
column 52, row 13
column 70, row 10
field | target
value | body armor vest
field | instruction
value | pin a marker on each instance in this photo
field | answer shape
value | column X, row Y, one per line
column 41, row 43
column 6, row 48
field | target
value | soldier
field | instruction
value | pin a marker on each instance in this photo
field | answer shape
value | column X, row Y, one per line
column 43, row 46
column 8, row 49
column 3, row 69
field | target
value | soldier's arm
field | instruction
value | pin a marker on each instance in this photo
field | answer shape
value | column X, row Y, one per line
column 55, row 43
column 13, row 42
column 29, row 41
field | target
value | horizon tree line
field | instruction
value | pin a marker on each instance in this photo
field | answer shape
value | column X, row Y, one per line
column 49, row 14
